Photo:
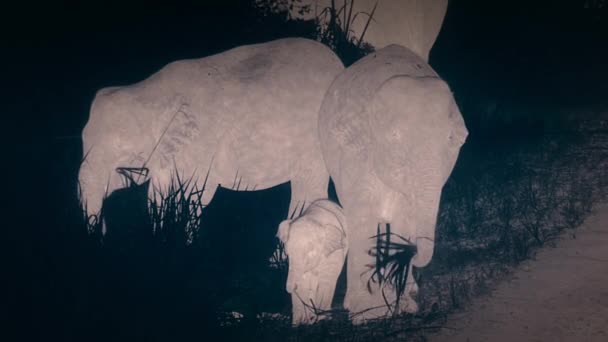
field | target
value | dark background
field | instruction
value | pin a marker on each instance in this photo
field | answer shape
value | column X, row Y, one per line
column 531, row 62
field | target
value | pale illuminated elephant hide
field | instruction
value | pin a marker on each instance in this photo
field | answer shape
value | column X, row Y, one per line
column 390, row 133
column 411, row 23
column 247, row 116
column 316, row 244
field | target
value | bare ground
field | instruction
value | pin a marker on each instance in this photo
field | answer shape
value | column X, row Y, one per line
column 561, row 295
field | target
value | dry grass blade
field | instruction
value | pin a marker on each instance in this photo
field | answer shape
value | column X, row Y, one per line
column 369, row 19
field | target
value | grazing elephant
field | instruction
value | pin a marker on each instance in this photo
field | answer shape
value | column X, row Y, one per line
column 390, row 132
column 316, row 244
column 248, row 116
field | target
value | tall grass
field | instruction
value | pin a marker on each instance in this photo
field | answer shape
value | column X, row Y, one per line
column 332, row 25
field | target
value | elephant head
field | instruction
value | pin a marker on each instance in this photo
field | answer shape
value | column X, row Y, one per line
column 108, row 143
column 316, row 244
column 123, row 139
column 416, row 133
column 391, row 133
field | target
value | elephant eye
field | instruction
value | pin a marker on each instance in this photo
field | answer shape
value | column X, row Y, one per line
column 452, row 136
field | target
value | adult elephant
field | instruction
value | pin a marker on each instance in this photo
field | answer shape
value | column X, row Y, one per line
column 248, row 114
column 390, row 132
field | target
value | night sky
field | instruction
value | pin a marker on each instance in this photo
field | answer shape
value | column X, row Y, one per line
column 538, row 57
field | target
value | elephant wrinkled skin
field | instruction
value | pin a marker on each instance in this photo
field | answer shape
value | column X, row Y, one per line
column 391, row 133
column 248, row 116
column 316, row 244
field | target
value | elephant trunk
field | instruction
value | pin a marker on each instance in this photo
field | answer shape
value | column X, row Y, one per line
column 425, row 244
column 414, row 217
column 95, row 182
column 425, row 229
column 291, row 283
column 412, row 214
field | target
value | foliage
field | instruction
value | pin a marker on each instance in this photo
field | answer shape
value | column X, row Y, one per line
column 283, row 8
column 332, row 23
column 334, row 30
column 392, row 263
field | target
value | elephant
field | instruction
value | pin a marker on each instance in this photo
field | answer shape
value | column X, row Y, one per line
column 390, row 133
column 316, row 245
column 247, row 115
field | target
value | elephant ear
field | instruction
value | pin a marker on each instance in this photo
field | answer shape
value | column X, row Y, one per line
column 283, row 232
column 178, row 132
column 407, row 114
column 415, row 99
column 459, row 130
column 335, row 239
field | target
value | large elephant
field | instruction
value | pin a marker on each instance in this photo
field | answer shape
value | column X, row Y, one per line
column 248, row 114
column 316, row 244
column 390, row 133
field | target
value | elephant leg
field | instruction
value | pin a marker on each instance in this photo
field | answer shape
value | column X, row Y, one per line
column 324, row 295
column 362, row 303
column 401, row 225
column 309, row 184
column 306, row 187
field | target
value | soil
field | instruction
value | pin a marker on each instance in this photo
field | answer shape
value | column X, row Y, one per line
column 561, row 295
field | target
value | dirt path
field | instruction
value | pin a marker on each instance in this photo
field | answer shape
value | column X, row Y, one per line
column 562, row 295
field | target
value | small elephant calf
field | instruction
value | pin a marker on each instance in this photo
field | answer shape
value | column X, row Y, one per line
column 316, row 245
